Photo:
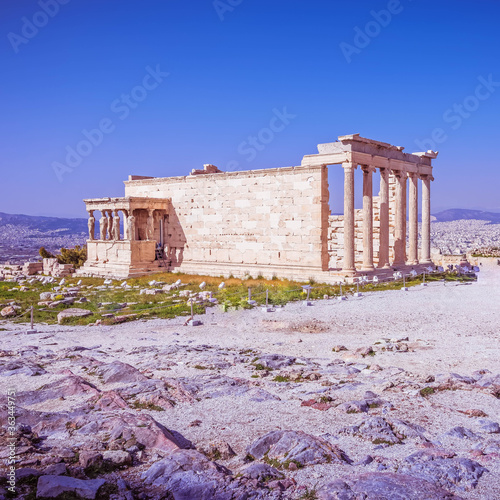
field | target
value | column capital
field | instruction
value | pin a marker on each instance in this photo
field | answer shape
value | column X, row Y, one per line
column 412, row 175
column 349, row 165
column 426, row 177
column 400, row 174
column 368, row 168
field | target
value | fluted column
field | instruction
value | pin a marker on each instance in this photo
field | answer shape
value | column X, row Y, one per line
column 349, row 262
column 367, row 218
column 413, row 219
column 400, row 231
column 426, row 220
column 383, row 252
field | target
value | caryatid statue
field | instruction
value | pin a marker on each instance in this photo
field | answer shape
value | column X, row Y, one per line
column 131, row 227
column 91, row 224
column 103, row 226
column 110, row 225
column 116, row 226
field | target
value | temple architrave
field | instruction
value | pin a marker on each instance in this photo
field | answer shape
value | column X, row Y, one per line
column 271, row 222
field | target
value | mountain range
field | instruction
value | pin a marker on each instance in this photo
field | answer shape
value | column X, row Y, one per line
column 463, row 213
column 49, row 225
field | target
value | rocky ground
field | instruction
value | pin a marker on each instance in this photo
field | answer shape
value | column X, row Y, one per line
column 390, row 395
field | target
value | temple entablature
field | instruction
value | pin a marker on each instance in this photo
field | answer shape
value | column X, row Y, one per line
column 361, row 151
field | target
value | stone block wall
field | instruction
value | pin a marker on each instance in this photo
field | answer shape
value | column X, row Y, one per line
column 51, row 267
column 31, row 268
column 120, row 252
column 234, row 222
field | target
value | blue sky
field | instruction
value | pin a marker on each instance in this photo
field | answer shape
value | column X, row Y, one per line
column 399, row 71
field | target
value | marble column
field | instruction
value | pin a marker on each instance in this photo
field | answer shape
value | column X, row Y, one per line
column 349, row 262
column 91, row 225
column 367, row 218
column 126, row 230
column 400, row 230
column 426, row 220
column 413, row 219
column 383, row 252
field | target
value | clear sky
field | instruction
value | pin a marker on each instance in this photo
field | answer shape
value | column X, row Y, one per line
column 164, row 86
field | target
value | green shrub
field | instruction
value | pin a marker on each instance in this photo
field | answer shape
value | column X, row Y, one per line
column 76, row 256
column 427, row 391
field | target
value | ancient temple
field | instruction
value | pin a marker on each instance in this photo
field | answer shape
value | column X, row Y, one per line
column 271, row 222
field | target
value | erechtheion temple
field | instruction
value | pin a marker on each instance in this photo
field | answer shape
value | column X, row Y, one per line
column 271, row 222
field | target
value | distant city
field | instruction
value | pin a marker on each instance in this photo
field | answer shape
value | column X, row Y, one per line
column 453, row 232
column 21, row 236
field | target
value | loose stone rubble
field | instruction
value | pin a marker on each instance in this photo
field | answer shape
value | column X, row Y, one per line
column 47, row 267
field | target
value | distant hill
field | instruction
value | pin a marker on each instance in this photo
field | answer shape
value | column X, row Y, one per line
column 55, row 225
column 463, row 213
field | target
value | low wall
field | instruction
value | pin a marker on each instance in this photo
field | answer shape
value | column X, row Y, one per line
column 119, row 259
column 483, row 261
column 120, row 252
column 449, row 260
